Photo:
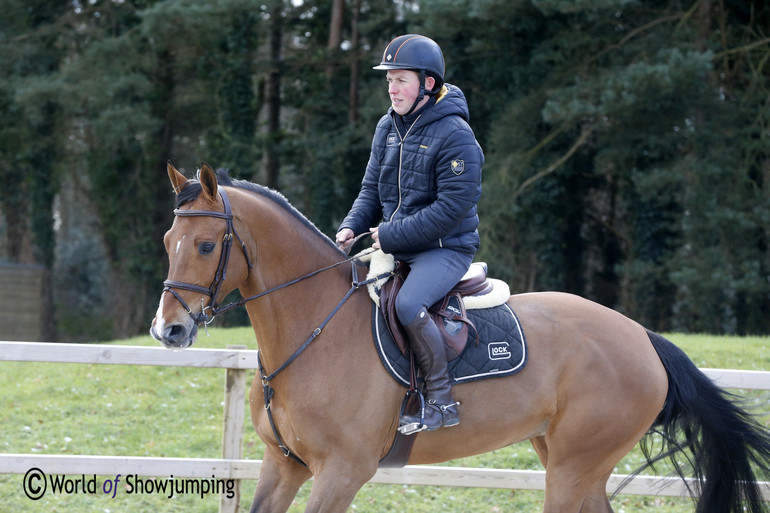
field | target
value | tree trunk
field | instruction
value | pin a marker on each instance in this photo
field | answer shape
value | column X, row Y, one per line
column 271, row 158
column 335, row 36
column 355, row 63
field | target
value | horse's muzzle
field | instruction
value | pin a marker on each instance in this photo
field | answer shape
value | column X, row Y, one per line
column 175, row 336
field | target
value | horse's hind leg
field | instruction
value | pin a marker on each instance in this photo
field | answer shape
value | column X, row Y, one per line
column 596, row 500
column 568, row 491
column 579, row 454
column 541, row 449
column 562, row 494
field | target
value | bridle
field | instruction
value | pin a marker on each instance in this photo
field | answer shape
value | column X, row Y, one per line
column 221, row 273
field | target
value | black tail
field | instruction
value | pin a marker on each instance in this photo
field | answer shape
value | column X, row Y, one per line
column 726, row 447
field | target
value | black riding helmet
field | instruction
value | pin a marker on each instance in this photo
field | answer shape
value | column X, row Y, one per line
column 416, row 53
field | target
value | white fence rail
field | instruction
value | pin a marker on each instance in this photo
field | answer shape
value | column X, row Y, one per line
column 238, row 362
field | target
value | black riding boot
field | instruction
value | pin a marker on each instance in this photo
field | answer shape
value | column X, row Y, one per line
column 428, row 346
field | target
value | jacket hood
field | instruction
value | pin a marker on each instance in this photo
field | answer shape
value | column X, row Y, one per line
column 449, row 101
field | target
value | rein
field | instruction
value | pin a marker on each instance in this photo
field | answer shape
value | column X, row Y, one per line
column 245, row 300
column 221, row 273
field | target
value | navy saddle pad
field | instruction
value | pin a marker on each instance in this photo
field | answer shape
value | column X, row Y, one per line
column 502, row 348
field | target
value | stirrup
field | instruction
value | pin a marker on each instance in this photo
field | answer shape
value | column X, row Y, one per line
column 416, row 427
column 412, row 427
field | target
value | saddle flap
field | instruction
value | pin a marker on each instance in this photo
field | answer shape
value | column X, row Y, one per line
column 452, row 320
column 388, row 294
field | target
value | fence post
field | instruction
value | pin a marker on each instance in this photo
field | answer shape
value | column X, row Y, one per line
column 232, row 434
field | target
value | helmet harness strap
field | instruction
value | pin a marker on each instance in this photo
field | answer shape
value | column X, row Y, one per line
column 421, row 95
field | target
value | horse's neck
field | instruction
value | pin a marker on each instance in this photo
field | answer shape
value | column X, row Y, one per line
column 285, row 318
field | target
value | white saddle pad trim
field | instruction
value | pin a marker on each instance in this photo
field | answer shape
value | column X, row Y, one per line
column 380, row 263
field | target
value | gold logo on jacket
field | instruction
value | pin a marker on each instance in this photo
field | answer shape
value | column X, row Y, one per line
column 458, row 166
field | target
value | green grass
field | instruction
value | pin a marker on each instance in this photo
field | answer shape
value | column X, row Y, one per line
column 177, row 412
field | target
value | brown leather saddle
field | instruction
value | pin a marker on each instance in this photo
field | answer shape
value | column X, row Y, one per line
column 449, row 314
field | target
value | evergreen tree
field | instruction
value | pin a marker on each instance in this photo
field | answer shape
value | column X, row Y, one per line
column 30, row 138
column 614, row 153
column 626, row 141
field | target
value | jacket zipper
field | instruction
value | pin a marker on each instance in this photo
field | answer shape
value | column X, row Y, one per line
column 400, row 160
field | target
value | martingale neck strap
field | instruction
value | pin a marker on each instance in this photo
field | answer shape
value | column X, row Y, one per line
column 269, row 391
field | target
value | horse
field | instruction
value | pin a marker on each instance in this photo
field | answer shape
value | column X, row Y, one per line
column 595, row 384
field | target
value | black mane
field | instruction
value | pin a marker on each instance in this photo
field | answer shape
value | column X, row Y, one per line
column 193, row 189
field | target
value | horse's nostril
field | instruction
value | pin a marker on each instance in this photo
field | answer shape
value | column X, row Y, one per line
column 174, row 334
column 178, row 336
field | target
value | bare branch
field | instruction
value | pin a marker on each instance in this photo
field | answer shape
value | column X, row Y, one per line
column 584, row 135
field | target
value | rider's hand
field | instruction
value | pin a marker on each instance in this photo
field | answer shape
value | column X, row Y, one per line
column 345, row 237
column 375, row 237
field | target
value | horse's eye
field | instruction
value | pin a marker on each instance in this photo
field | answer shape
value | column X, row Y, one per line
column 204, row 248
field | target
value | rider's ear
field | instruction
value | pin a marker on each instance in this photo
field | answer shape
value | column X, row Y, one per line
column 208, row 180
column 178, row 180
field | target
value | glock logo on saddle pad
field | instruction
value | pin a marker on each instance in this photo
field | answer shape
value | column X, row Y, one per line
column 499, row 351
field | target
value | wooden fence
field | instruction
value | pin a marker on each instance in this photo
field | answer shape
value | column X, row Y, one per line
column 240, row 364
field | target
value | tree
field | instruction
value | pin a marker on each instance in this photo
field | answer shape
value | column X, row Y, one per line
column 273, row 100
column 608, row 145
column 30, row 143
column 626, row 142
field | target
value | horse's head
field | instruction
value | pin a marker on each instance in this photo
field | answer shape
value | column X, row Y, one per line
column 202, row 270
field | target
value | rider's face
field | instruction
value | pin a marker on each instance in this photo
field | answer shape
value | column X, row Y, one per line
column 404, row 88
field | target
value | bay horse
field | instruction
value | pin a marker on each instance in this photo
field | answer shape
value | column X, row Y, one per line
column 596, row 382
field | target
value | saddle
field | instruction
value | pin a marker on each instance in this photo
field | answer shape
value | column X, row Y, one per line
column 449, row 314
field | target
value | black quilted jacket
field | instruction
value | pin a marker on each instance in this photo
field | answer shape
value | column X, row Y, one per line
column 423, row 180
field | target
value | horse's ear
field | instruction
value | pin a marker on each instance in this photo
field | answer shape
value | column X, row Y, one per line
column 208, row 180
column 178, row 180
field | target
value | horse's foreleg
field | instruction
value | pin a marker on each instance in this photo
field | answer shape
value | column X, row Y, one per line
column 279, row 480
column 541, row 449
column 335, row 487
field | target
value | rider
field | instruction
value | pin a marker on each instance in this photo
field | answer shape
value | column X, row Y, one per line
column 422, row 184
